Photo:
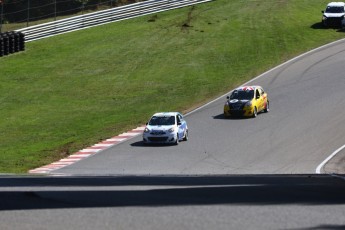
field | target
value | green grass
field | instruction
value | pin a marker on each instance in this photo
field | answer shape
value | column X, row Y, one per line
column 70, row 91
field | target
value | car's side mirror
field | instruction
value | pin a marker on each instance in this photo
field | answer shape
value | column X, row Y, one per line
column 322, row 11
column 227, row 97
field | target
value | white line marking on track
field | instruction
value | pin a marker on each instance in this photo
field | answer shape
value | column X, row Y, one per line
column 38, row 171
column 60, row 163
column 102, row 145
column 65, row 162
column 318, row 169
column 90, row 150
column 79, row 155
column 129, row 134
column 116, row 139
column 68, row 160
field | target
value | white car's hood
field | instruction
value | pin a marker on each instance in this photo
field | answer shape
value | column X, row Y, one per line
column 160, row 127
column 333, row 15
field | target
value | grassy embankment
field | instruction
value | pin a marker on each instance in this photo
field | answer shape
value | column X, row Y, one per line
column 70, row 91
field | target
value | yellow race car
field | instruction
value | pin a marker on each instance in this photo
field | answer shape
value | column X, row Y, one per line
column 246, row 101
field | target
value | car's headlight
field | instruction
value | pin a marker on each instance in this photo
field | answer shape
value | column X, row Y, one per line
column 171, row 130
column 146, row 130
column 324, row 17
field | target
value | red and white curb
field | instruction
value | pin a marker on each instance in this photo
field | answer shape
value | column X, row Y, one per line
column 84, row 153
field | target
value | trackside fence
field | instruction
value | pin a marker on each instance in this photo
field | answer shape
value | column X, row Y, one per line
column 103, row 17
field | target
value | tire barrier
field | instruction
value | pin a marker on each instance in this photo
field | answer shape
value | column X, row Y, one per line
column 11, row 42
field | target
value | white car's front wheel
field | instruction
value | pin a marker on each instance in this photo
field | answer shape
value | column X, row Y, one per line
column 185, row 138
column 177, row 139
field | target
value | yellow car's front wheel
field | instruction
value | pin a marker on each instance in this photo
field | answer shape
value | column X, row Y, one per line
column 267, row 108
column 255, row 112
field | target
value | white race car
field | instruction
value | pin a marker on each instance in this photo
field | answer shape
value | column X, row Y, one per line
column 166, row 127
column 334, row 14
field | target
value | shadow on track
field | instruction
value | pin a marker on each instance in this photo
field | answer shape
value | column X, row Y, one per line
column 23, row 193
column 222, row 117
column 142, row 144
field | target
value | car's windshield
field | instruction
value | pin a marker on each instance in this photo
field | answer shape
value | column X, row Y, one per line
column 335, row 9
column 242, row 95
column 168, row 120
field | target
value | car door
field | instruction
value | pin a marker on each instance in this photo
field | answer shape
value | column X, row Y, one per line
column 264, row 98
column 259, row 99
column 181, row 125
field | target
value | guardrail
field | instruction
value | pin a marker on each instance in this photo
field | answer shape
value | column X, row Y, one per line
column 103, row 17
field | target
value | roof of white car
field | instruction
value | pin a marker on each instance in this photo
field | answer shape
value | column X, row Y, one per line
column 165, row 114
column 336, row 4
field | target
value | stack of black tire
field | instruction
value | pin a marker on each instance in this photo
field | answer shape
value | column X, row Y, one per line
column 11, row 42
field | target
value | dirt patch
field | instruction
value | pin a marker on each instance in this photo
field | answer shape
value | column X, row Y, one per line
column 65, row 150
column 187, row 24
column 153, row 18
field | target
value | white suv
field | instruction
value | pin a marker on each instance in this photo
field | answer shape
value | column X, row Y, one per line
column 334, row 14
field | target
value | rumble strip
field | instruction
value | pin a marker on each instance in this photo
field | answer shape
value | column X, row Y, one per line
column 84, row 153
